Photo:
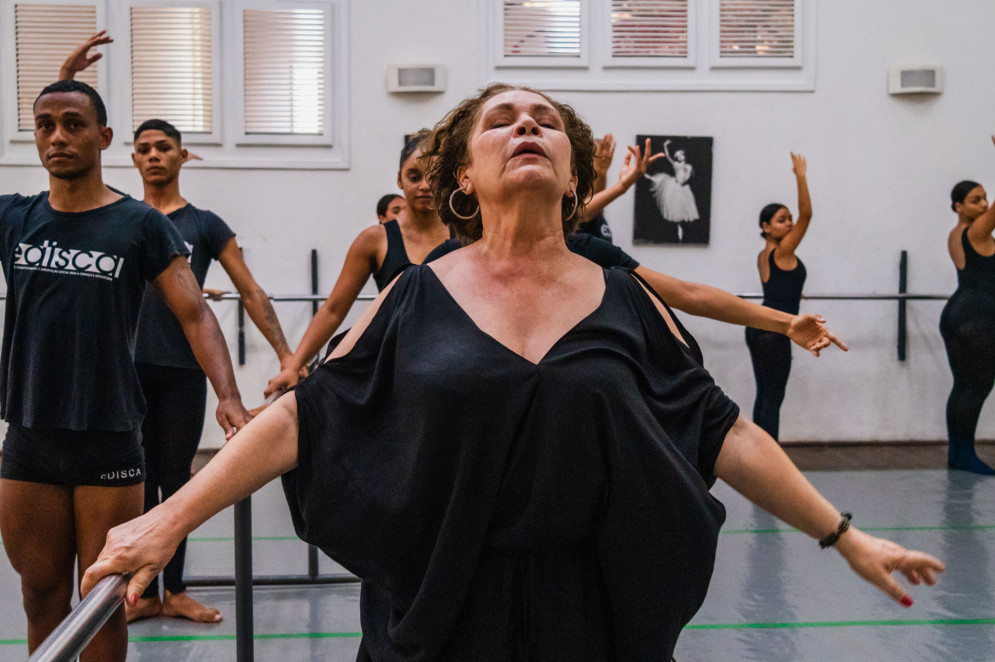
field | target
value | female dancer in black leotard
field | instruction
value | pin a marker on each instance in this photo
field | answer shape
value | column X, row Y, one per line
column 783, row 276
column 381, row 251
column 968, row 323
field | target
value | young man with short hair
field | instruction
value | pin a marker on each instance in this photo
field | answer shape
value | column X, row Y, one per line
column 173, row 383
column 76, row 260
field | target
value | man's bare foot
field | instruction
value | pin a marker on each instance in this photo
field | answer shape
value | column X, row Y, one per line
column 144, row 608
column 181, row 605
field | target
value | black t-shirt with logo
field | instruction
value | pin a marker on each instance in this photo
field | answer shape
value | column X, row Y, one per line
column 598, row 227
column 160, row 336
column 74, row 290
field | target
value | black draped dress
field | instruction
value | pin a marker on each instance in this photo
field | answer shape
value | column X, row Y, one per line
column 497, row 509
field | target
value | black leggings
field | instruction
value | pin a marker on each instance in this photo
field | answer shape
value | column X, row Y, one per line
column 176, row 399
column 771, row 356
column 968, row 329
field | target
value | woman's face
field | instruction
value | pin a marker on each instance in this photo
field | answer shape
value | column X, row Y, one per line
column 779, row 225
column 414, row 184
column 679, row 155
column 975, row 203
column 519, row 141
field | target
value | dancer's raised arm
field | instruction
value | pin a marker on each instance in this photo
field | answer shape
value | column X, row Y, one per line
column 786, row 247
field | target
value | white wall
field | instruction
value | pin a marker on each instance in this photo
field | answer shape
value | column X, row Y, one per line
column 880, row 170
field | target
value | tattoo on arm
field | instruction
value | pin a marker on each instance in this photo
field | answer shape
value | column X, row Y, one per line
column 273, row 331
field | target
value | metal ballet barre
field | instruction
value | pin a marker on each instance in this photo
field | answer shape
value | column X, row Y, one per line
column 75, row 631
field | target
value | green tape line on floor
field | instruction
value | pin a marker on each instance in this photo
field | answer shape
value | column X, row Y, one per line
column 703, row 626
column 839, row 624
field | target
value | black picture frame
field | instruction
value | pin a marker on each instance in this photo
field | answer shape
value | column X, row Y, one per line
column 673, row 206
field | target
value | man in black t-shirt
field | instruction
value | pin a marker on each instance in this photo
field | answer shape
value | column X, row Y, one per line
column 76, row 260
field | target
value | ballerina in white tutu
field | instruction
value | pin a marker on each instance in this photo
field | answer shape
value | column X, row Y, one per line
column 673, row 195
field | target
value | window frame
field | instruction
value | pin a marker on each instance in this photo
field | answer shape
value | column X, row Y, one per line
column 716, row 61
column 603, row 13
column 539, row 62
column 224, row 148
column 703, row 71
column 10, row 131
column 327, row 138
column 119, row 23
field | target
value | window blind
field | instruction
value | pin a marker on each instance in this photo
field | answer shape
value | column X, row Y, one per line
column 172, row 67
column 542, row 28
column 649, row 28
column 45, row 35
column 284, row 52
column 757, row 28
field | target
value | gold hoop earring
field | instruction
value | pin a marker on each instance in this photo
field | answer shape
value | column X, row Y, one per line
column 456, row 213
column 574, row 210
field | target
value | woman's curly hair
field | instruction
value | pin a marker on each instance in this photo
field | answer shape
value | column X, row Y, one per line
column 448, row 148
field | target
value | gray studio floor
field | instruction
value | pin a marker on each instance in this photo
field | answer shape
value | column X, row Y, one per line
column 775, row 595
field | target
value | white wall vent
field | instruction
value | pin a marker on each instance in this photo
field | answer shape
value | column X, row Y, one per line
column 926, row 79
column 416, row 78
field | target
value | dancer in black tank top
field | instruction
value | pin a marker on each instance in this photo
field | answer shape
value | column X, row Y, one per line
column 395, row 259
column 968, row 323
column 783, row 276
column 381, row 251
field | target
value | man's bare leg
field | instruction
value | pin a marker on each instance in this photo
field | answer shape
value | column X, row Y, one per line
column 96, row 511
column 36, row 520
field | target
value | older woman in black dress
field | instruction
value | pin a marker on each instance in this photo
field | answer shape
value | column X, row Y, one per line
column 512, row 448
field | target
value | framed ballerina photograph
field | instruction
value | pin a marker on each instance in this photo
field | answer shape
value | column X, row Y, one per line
column 674, row 199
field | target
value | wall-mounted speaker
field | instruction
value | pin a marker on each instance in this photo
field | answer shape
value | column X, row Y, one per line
column 416, row 78
column 925, row 79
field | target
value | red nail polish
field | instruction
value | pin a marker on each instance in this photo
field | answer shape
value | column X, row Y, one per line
column 906, row 601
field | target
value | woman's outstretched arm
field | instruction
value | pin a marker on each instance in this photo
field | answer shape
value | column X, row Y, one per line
column 755, row 466
column 264, row 449
column 807, row 331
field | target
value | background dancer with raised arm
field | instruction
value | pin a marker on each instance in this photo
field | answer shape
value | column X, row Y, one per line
column 783, row 276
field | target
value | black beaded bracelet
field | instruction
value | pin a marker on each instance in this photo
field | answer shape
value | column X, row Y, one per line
column 834, row 537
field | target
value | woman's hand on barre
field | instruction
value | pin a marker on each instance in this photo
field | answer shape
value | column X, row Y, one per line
column 141, row 546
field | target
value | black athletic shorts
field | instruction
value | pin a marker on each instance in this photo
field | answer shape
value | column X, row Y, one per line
column 73, row 457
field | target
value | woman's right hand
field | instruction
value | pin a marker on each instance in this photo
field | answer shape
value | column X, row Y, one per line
column 141, row 546
column 875, row 559
column 798, row 165
column 79, row 59
column 604, row 152
column 288, row 377
column 810, row 332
